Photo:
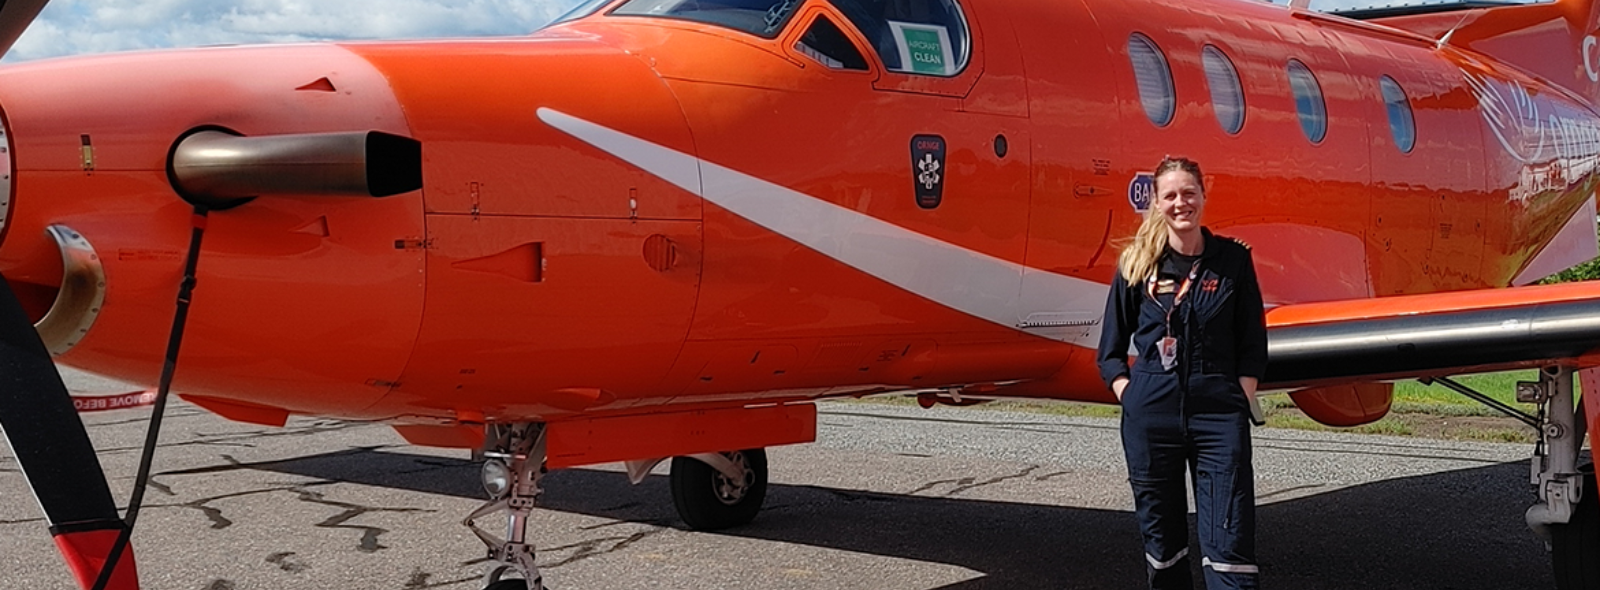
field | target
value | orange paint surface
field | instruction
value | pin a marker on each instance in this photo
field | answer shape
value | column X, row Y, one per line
column 544, row 274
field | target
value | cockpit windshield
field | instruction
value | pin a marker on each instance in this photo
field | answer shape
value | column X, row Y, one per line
column 927, row 37
column 763, row 18
column 583, row 9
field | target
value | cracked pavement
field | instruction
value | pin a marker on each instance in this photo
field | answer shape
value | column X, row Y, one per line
column 890, row 498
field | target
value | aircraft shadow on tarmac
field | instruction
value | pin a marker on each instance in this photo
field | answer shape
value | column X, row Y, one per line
column 1460, row 529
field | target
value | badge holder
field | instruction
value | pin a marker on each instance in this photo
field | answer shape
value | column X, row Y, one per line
column 1169, row 353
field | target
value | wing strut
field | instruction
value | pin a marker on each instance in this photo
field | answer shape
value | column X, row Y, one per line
column 1532, row 421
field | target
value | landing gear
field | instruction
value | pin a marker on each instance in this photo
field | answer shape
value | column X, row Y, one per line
column 514, row 464
column 1567, row 517
column 1574, row 545
column 714, row 491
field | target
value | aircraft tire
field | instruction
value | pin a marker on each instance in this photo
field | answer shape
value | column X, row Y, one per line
column 508, row 584
column 708, row 501
column 1573, row 546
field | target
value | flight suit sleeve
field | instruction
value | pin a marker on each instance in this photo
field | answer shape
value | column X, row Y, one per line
column 1250, row 322
column 1116, row 330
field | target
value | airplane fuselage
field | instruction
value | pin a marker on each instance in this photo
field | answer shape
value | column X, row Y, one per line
column 622, row 213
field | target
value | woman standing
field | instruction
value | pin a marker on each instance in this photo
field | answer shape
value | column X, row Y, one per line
column 1189, row 302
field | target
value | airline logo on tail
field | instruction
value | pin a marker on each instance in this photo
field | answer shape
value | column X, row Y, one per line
column 1557, row 142
column 1591, row 57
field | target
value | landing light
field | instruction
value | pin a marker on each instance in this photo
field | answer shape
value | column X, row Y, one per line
column 496, row 478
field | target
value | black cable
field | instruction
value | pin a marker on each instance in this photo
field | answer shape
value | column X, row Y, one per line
column 168, row 367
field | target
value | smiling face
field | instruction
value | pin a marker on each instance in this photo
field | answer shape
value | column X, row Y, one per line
column 1180, row 201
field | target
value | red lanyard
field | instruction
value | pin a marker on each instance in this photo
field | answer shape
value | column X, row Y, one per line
column 1150, row 288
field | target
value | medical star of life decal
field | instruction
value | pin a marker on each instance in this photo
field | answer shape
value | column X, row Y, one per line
column 927, row 169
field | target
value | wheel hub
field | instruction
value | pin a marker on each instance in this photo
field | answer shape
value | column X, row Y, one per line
column 731, row 490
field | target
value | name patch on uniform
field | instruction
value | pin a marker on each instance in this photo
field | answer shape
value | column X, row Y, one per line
column 1142, row 190
column 927, row 169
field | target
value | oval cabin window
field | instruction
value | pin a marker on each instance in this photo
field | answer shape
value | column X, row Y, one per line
column 1308, row 101
column 1227, row 94
column 1401, row 123
column 1154, row 78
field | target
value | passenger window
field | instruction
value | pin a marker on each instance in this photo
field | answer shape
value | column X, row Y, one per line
column 1227, row 95
column 1401, row 123
column 1308, row 101
column 927, row 37
column 764, row 18
column 828, row 45
column 1154, row 78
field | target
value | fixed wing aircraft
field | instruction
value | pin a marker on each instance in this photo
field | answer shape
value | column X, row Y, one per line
column 663, row 229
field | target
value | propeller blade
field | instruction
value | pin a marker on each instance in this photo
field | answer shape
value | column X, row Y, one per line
column 15, row 16
column 42, row 426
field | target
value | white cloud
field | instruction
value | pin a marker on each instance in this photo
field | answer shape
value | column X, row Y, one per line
column 68, row 27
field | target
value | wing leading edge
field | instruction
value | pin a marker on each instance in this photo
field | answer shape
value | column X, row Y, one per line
column 1337, row 342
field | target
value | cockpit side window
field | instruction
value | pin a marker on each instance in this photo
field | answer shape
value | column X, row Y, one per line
column 825, row 43
column 763, row 18
column 927, row 37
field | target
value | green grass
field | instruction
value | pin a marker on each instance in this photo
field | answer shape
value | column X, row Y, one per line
column 1411, row 397
column 1390, row 425
column 1430, row 410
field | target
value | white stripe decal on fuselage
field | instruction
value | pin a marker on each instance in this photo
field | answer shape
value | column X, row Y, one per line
column 965, row 280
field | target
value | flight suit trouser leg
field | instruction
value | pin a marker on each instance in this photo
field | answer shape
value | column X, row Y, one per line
column 1224, row 492
column 1157, row 454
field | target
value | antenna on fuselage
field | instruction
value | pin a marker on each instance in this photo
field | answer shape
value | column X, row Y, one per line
column 1445, row 38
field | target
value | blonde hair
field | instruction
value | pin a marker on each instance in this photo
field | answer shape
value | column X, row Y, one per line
column 1138, row 261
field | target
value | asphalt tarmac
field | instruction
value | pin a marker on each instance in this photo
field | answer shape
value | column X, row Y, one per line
column 889, row 497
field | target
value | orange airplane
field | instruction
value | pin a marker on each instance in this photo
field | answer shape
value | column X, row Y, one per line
column 663, row 229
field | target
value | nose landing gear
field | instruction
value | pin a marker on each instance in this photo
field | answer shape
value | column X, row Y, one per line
column 711, row 491
column 512, row 471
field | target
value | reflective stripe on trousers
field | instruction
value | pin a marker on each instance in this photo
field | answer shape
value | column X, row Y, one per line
column 1161, row 565
column 1228, row 568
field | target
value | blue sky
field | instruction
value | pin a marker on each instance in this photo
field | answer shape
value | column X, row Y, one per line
column 69, row 27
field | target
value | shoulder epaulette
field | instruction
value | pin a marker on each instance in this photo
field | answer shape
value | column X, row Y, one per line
column 1234, row 240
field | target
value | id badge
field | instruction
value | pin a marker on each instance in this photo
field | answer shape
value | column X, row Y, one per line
column 1169, row 353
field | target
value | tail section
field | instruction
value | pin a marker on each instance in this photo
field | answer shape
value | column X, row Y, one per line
column 1558, row 41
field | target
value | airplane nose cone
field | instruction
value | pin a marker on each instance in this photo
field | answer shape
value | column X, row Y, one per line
column 36, row 277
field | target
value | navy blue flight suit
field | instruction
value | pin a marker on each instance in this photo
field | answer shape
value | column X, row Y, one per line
column 1193, row 418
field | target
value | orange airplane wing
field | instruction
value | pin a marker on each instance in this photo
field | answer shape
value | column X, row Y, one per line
column 1316, row 344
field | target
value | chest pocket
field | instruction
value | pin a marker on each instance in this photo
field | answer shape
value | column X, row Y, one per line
column 1210, row 297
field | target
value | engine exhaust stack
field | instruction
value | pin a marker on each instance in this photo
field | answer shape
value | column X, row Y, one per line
column 221, row 169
